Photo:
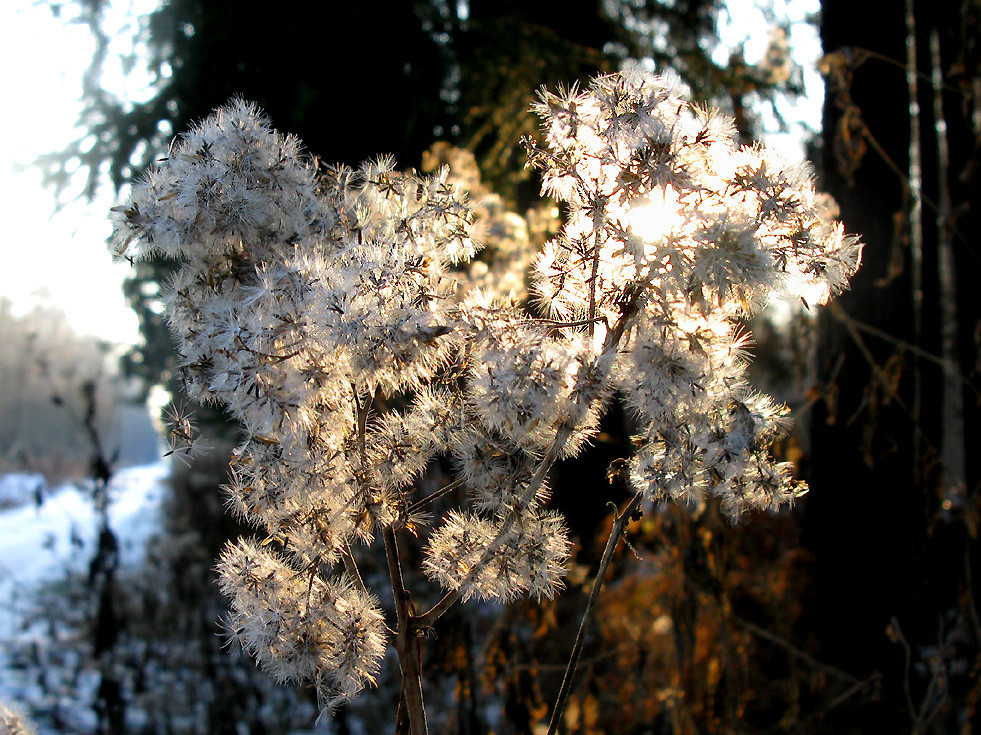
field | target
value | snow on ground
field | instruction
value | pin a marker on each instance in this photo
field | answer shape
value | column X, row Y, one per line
column 40, row 544
column 18, row 488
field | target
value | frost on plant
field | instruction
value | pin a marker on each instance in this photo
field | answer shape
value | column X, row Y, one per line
column 321, row 307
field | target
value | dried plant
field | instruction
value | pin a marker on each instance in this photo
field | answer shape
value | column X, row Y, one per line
column 319, row 305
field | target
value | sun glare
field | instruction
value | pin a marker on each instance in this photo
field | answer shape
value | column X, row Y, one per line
column 656, row 215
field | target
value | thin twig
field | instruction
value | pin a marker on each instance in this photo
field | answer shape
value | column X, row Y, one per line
column 901, row 65
column 436, row 494
column 554, row 324
column 879, row 374
column 897, row 634
column 792, row 649
column 819, row 714
column 594, row 276
column 839, row 313
column 619, row 524
column 352, row 568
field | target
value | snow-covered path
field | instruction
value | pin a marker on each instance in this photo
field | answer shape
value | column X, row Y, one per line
column 39, row 544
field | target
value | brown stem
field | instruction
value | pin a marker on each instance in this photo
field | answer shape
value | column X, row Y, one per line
column 362, row 425
column 619, row 524
column 594, row 275
column 428, row 618
column 406, row 641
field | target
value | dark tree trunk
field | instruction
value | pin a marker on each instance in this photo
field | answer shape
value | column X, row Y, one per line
column 892, row 519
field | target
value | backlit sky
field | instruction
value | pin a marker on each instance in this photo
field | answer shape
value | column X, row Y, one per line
column 61, row 257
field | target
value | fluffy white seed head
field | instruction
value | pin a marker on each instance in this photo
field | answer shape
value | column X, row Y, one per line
column 299, row 627
column 498, row 558
column 320, row 306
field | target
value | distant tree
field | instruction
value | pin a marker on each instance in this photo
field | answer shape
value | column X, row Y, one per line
column 47, row 371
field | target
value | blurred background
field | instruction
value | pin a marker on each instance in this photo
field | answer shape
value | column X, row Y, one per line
column 854, row 612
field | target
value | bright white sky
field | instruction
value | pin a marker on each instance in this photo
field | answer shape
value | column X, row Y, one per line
column 61, row 257
column 46, row 256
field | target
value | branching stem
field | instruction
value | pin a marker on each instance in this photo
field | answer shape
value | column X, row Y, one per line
column 406, row 643
column 426, row 620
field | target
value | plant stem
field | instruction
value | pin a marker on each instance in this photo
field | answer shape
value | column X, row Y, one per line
column 406, row 641
column 594, row 273
column 435, row 495
column 619, row 524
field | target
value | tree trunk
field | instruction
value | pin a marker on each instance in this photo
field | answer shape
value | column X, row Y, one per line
column 888, row 542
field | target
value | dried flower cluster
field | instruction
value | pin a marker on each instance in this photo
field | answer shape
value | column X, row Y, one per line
column 674, row 231
column 12, row 722
column 320, row 307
